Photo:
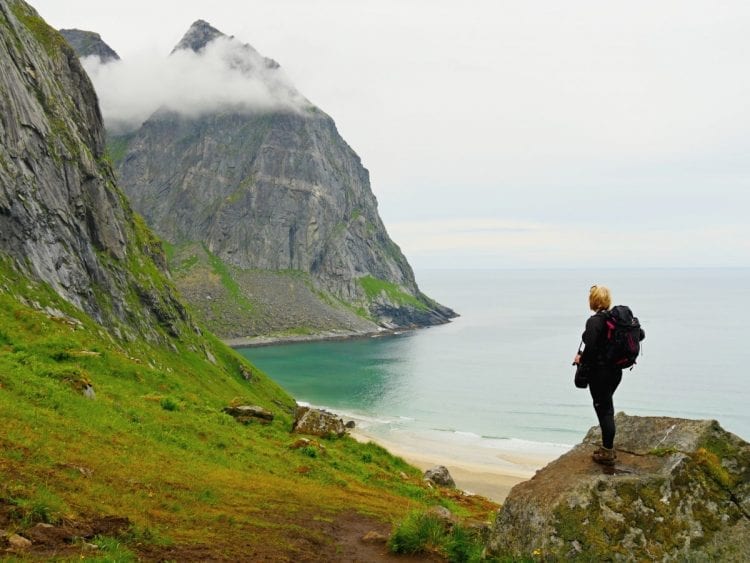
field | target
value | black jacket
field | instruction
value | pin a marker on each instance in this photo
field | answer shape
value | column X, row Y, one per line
column 593, row 337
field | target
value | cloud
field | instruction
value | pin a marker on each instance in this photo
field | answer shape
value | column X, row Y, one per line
column 225, row 75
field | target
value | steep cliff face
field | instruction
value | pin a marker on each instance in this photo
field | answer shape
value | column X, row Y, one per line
column 62, row 219
column 274, row 189
column 680, row 491
column 88, row 44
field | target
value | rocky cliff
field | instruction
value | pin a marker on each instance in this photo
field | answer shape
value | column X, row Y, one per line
column 89, row 44
column 680, row 491
column 62, row 219
column 243, row 190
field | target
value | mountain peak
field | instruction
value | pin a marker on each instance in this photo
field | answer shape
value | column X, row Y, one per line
column 200, row 34
column 89, row 43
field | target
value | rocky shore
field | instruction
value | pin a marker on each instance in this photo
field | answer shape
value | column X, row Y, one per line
column 275, row 339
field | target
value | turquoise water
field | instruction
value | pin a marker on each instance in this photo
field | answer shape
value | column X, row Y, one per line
column 501, row 372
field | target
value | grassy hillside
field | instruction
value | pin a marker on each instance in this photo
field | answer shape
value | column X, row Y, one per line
column 154, row 449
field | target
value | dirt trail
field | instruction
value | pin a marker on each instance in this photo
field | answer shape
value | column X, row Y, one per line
column 340, row 540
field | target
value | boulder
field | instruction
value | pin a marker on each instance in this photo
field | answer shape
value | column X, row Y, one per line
column 248, row 413
column 680, row 490
column 317, row 422
column 439, row 475
column 445, row 516
column 19, row 543
column 246, row 373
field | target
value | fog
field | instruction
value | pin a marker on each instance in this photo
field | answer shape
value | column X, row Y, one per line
column 225, row 75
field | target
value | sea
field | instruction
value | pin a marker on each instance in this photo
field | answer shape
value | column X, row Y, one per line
column 499, row 376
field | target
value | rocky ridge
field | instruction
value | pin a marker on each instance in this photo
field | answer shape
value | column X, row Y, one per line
column 680, row 491
column 88, row 44
column 62, row 219
column 272, row 190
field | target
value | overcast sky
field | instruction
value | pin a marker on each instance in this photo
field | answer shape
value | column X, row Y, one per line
column 510, row 133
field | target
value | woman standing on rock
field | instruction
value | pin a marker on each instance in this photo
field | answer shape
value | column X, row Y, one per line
column 603, row 379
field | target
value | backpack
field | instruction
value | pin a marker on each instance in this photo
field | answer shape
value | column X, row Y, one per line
column 622, row 339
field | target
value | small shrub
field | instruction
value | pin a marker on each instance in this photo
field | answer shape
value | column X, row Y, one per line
column 463, row 545
column 169, row 404
column 310, row 451
column 145, row 535
column 418, row 532
column 113, row 549
column 61, row 356
column 42, row 507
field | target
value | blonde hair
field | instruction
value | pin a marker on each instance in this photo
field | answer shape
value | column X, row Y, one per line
column 599, row 298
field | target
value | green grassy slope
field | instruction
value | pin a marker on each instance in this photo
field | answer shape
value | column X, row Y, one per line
column 154, row 447
column 150, row 467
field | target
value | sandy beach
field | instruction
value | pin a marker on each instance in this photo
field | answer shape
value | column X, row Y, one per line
column 487, row 471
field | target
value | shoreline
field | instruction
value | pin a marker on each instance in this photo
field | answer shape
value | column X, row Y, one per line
column 478, row 469
column 270, row 340
column 488, row 469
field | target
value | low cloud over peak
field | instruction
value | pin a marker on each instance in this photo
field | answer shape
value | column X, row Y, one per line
column 219, row 74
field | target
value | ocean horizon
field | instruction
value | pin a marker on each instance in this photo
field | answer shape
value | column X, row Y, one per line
column 499, row 377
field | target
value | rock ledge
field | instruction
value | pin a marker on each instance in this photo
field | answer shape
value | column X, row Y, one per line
column 680, row 490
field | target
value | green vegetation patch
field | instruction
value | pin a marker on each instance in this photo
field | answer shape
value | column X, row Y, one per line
column 117, row 147
column 373, row 287
column 48, row 37
column 227, row 280
column 417, row 533
column 425, row 533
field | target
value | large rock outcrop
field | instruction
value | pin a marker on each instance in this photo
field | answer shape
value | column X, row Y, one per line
column 243, row 189
column 680, row 491
column 62, row 219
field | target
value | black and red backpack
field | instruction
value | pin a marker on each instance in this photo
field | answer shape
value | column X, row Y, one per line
column 622, row 337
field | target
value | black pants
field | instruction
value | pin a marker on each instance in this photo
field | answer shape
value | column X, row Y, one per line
column 602, row 385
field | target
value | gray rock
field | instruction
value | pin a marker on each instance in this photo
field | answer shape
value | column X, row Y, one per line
column 62, row 219
column 317, row 422
column 350, row 424
column 446, row 517
column 439, row 475
column 88, row 43
column 246, row 373
column 200, row 34
column 680, row 491
column 248, row 413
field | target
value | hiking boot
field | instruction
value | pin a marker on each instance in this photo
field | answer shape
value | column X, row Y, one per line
column 605, row 456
